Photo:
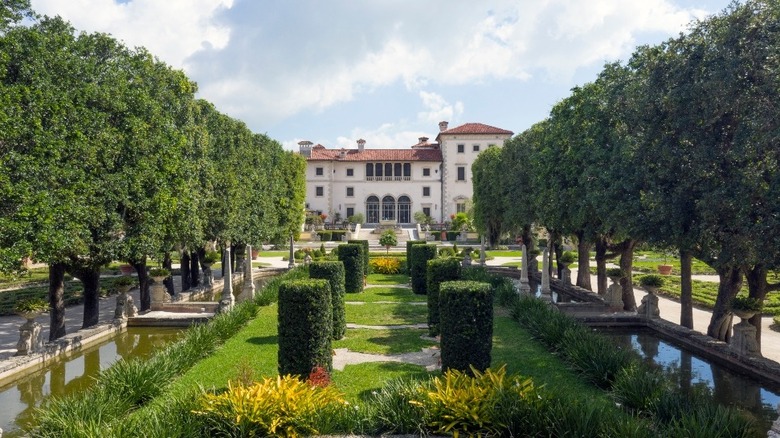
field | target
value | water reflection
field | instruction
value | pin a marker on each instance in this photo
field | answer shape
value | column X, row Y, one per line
column 74, row 373
column 691, row 372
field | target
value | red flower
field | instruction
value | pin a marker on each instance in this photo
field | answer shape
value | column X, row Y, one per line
column 319, row 377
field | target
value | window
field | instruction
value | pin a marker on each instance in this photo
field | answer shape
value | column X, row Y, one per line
column 319, row 171
column 350, row 212
column 378, row 169
column 476, row 148
column 426, row 191
column 461, row 173
column 460, row 207
column 461, row 148
column 388, row 208
column 372, row 210
column 404, row 210
column 350, row 191
column 407, row 171
column 319, row 191
column 350, row 172
column 427, row 171
column 427, row 211
column 369, row 172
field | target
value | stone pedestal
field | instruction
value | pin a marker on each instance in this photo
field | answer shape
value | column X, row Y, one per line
column 546, row 293
column 159, row 295
column 566, row 275
column 743, row 342
column 29, row 338
column 614, row 296
column 525, row 287
column 467, row 260
column 649, row 307
column 208, row 276
column 228, row 300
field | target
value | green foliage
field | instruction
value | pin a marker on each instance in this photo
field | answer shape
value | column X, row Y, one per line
column 567, row 258
column 356, row 218
column 388, row 239
column 409, row 244
column 365, row 254
column 651, row 280
column 418, row 266
column 421, row 218
column 334, row 273
column 284, row 406
column 124, row 280
column 490, row 194
column 746, row 304
column 446, row 252
column 159, row 272
column 305, row 326
column 466, row 325
column 438, row 271
column 210, row 258
column 614, row 272
column 31, row 305
column 638, row 388
column 351, row 254
column 385, row 265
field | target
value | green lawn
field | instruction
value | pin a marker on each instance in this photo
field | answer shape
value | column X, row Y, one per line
column 395, row 294
column 388, row 280
column 386, row 314
column 393, row 341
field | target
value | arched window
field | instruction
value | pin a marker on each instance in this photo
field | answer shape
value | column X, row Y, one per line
column 404, row 210
column 397, row 171
column 369, row 171
column 388, row 208
column 372, row 210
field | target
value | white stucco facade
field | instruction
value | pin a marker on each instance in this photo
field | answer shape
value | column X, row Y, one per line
column 393, row 184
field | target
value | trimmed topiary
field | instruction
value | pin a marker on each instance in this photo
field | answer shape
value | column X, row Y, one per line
column 364, row 243
column 351, row 254
column 419, row 266
column 409, row 244
column 439, row 270
column 334, row 273
column 305, row 319
column 466, row 325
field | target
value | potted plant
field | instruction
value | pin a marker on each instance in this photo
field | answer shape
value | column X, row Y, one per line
column 159, row 274
column 665, row 268
column 651, row 282
column 123, row 284
column 31, row 308
column 745, row 307
column 614, row 274
column 388, row 239
column 566, row 258
column 210, row 258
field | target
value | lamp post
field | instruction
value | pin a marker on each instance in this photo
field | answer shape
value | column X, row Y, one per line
column 291, row 264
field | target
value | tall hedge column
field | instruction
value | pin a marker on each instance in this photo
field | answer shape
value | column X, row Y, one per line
column 305, row 318
column 439, row 270
column 351, row 255
column 409, row 244
column 334, row 273
column 466, row 312
column 364, row 244
column 418, row 266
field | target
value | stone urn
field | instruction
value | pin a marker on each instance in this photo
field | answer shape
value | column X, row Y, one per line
column 158, row 290
column 744, row 314
column 664, row 269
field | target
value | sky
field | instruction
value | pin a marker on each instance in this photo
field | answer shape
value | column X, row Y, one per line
column 387, row 71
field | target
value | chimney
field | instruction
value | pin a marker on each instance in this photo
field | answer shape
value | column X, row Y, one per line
column 343, row 153
column 305, row 148
column 443, row 126
column 423, row 140
column 361, row 144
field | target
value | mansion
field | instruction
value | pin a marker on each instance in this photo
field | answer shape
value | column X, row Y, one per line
column 393, row 184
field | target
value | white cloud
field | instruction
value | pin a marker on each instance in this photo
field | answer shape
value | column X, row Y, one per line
column 438, row 109
column 172, row 30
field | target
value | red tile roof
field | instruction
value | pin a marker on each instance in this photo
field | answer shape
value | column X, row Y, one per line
column 476, row 128
column 323, row 154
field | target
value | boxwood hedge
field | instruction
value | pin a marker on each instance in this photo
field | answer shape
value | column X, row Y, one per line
column 418, row 266
column 334, row 273
column 439, row 270
column 351, row 254
column 466, row 312
column 409, row 244
column 364, row 243
column 305, row 319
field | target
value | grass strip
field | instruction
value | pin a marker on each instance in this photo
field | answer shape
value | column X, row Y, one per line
column 386, row 314
column 394, row 294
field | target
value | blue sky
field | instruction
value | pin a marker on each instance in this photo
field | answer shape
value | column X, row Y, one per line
column 384, row 70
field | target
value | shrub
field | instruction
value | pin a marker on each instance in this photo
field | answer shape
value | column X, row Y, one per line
column 466, row 325
column 305, row 319
column 409, row 244
column 594, row 356
column 388, row 239
column 299, row 254
column 31, row 305
column 638, row 388
column 351, row 254
column 614, row 272
column 393, row 411
column 439, row 270
column 281, row 406
column 746, row 304
column 446, row 252
column 385, row 265
column 159, row 272
column 420, row 254
column 334, row 273
column 210, row 258
column 325, row 236
column 651, row 280
column 457, row 403
column 567, row 258
column 364, row 244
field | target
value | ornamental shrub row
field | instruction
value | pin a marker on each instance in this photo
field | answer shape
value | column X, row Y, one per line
column 334, row 273
column 351, row 254
column 466, row 323
column 439, row 270
column 305, row 327
column 364, row 243
column 409, row 244
column 418, row 266
column 332, row 235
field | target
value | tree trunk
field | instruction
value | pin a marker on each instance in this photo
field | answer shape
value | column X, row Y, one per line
column 185, row 270
column 90, row 279
column 168, row 282
column 143, row 284
column 601, row 265
column 556, row 249
column 758, row 288
column 194, row 271
column 583, row 262
column 56, row 301
column 626, row 266
column 730, row 283
column 686, row 289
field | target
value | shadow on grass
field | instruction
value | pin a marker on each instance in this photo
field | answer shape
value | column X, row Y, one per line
column 264, row 340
